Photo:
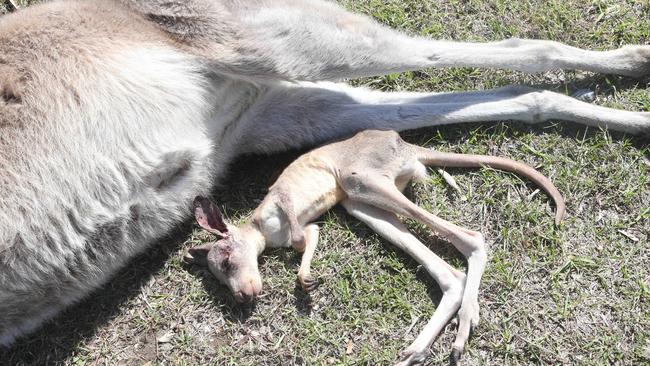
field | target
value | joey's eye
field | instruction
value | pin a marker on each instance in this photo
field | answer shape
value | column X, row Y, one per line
column 227, row 265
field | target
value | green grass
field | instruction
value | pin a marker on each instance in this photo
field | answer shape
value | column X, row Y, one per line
column 577, row 294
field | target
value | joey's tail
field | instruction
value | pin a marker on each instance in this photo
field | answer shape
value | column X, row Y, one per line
column 442, row 159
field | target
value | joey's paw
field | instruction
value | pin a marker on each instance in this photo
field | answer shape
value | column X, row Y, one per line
column 411, row 356
column 308, row 283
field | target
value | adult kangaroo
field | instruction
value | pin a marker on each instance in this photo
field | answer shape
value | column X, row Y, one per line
column 114, row 115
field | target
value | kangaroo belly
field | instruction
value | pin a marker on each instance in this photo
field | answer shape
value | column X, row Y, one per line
column 312, row 186
column 96, row 170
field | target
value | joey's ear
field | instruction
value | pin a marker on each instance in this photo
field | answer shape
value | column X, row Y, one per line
column 199, row 254
column 209, row 217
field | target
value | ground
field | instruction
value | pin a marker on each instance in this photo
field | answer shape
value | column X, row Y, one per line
column 576, row 294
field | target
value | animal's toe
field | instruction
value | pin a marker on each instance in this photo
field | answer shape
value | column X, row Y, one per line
column 309, row 283
column 474, row 322
column 475, row 316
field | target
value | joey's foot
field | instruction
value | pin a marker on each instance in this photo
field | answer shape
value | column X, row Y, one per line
column 468, row 319
column 411, row 356
column 308, row 283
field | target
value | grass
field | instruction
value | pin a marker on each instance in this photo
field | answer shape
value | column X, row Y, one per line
column 577, row 294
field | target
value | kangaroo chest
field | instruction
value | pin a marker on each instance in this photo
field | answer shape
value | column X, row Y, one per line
column 309, row 189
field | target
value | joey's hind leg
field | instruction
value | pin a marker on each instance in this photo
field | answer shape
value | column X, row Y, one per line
column 377, row 190
column 451, row 281
column 308, row 282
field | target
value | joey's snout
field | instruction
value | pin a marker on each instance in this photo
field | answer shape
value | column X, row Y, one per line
column 232, row 259
column 248, row 290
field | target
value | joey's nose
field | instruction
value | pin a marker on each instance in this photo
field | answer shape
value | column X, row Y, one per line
column 249, row 292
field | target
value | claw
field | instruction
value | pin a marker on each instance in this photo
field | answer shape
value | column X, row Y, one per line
column 309, row 283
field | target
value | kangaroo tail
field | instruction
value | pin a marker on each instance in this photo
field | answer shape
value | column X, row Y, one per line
column 442, row 159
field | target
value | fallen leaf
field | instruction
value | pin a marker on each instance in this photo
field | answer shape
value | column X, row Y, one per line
column 166, row 338
column 348, row 350
column 629, row 235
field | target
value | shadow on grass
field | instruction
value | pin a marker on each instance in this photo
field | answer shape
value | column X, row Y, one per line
column 59, row 338
column 303, row 301
column 250, row 177
column 220, row 296
column 458, row 134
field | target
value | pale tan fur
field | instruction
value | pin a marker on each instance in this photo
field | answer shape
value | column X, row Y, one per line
column 371, row 168
column 115, row 114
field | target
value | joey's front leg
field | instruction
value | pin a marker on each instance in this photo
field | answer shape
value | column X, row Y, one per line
column 308, row 247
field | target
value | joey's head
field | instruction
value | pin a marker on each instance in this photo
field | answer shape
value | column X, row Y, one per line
column 232, row 259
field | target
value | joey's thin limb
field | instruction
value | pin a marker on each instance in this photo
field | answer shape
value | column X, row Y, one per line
column 305, row 278
column 450, row 280
column 286, row 205
column 378, row 191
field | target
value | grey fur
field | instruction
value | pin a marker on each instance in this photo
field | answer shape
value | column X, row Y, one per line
column 114, row 115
